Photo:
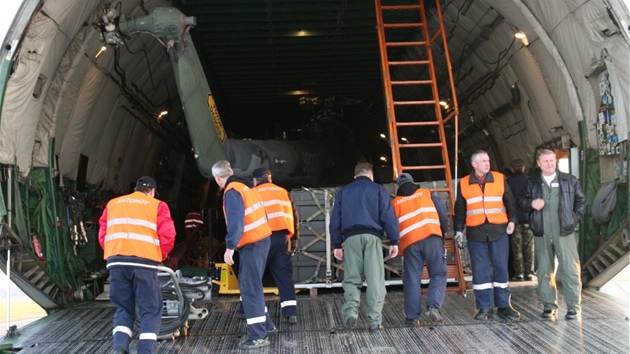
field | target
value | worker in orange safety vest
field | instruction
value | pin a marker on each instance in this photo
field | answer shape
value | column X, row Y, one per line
column 486, row 207
column 423, row 221
column 247, row 232
column 282, row 219
column 136, row 233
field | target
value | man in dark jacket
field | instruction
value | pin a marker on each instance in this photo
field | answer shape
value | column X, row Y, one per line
column 522, row 240
column 423, row 223
column 248, row 233
column 486, row 208
column 556, row 204
column 283, row 220
column 362, row 213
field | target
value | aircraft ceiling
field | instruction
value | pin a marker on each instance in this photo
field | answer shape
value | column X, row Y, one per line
column 513, row 96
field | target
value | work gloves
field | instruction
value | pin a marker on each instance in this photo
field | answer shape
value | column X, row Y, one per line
column 460, row 239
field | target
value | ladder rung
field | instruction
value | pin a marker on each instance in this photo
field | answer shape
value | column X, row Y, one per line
column 403, row 25
column 401, row 7
column 416, row 124
column 412, row 103
column 423, row 145
column 408, row 62
column 406, row 44
column 418, row 168
column 412, row 82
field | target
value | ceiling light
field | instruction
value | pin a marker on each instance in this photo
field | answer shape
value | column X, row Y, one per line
column 298, row 92
column 103, row 48
column 520, row 35
column 303, row 33
column 161, row 115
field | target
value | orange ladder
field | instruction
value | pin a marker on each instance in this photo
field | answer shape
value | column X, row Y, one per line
column 404, row 36
column 417, row 132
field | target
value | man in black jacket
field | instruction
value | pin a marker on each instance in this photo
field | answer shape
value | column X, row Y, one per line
column 485, row 207
column 556, row 204
column 522, row 240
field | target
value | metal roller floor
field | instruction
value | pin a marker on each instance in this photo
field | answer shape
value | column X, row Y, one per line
column 603, row 328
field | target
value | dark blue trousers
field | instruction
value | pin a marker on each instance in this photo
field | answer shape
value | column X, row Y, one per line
column 253, row 258
column 486, row 287
column 431, row 251
column 128, row 286
column 281, row 268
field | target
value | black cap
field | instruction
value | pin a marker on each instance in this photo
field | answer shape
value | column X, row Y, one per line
column 261, row 173
column 146, row 182
column 403, row 178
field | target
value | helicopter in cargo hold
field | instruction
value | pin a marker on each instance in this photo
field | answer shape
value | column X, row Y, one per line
column 56, row 270
column 320, row 157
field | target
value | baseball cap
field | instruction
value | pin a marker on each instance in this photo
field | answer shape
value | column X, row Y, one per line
column 261, row 173
column 146, row 181
column 404, row 177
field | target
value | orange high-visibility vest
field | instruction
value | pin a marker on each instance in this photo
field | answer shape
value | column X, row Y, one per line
column 255, row 226
column 278, row 207
column 487, row 204
column 417, row 216
column 132, row 227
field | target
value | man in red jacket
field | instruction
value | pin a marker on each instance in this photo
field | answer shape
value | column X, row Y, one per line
column 137, row 233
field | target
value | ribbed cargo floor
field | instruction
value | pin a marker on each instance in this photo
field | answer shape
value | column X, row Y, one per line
column 604, row 328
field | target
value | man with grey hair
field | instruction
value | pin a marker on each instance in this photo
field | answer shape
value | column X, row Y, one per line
column 486, row 208
column 247, row 232
column 556, row 205
column 522, row 238
column 362, row 213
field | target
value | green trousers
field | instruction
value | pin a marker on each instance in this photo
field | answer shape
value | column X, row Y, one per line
column 565, row 248
column 363, row 257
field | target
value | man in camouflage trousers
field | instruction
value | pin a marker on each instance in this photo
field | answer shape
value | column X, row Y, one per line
column 522, row 240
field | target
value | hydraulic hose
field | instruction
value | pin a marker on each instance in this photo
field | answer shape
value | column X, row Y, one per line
column 169, row 325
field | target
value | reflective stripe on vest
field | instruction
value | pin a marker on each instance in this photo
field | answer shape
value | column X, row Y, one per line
column 132, row 227
column 255, row 223
column 278, row 207
column 417, row 216
column 484, row 204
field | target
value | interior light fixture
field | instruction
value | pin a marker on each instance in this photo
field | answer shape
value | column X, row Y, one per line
column 162, row 115
column 297, row 93
column 383, row 158
column 383, row 136
column 404, row 140
column 521, row 35
column 103, row 48
column 303, row 33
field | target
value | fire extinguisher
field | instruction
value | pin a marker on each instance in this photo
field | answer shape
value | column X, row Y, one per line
column 37, row 245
